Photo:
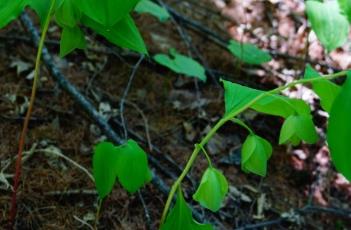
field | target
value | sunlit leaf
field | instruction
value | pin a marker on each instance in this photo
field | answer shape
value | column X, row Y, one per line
column 180, row 217
column 331, row 27
column 326, row 90
column 212, row 189
column 339, row 130
column 249, row 53
column 147, row 6
column 255, row 153
column 181, row 64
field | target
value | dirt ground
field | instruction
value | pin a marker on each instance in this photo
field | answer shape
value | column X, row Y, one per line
column 172, row 112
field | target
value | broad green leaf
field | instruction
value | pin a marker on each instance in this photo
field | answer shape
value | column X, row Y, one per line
column 132, row 167
column 325, row 89
column 147, row 6
column 331, row 27
column 71, row 39
column 237, row 96
column 9, row 11
column 124, row 33
column 67, row 14
column 181, row 64
column 106, row 12
column 339, row 130
column 255, row 153
column 297, row 128
column 180, row 217
column 345, row 6
column 249, row 53
column 41, row 7
column 104, row 168
column 212, row 189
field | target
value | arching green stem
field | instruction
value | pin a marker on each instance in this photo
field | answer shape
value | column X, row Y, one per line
column 229, row 117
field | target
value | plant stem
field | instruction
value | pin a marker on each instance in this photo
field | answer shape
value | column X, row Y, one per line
column 206, row 155
column 242, row 124
column 228, row 117
column 97, row 213
column 13, row 209
column 193, row 156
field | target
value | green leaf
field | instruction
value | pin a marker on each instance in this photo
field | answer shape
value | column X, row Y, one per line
column 106, row 12
column 67, row 14
column 71, row 39
column 249, row 53
column 212, row 189
column 132, row 167
column 41, row 7
column 255, row 153
column 237, row 96
column 181, row 64
column 104, row 168
column 345, row 6
column 9, row 11
column 147, row 6
column 339, row 130
column 325, row 89
column 297, row 128
column 124, row 33
column 180, row 217
column 331, row 27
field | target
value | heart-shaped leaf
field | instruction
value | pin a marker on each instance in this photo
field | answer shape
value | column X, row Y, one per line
column 297, row 128
column 255, row 153
column 212, row 189
column 339, row 130
column 180, row 217
column 104, row 168
column 132, row 167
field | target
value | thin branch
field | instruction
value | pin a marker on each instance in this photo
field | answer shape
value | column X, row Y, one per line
column 125, row 94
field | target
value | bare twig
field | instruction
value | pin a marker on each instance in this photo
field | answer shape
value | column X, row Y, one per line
column 146, row 211
column 67, row 159
column 125, row 93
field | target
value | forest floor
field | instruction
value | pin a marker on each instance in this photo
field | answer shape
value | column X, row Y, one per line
column 169, row 113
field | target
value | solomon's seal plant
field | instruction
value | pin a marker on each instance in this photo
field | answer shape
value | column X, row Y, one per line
column 128, row 164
